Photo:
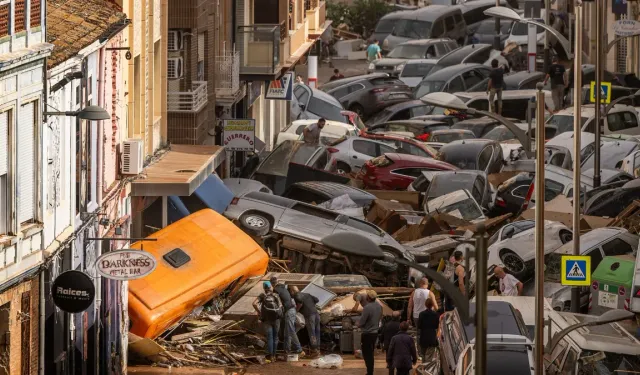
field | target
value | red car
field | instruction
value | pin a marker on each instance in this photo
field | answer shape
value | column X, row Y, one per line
column 404, row 145
column 397, row 171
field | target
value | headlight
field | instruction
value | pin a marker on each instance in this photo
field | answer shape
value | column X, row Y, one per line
column 400, row 67
column 372, row 66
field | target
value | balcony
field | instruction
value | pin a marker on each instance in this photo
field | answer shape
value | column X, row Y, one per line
column 316, row 13
column 227, row 77
column 188, row 101
column 259, row 47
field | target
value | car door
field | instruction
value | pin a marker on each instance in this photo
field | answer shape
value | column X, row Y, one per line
column 308, row 222
column 361, row 151
column 298, row 106
column 624, row 122
column 455, row 85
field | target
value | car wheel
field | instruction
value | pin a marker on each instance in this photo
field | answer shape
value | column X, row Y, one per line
column 565, row 236
column 343, row 168
column 513, row 263
column 358, row 109
column 255, row 224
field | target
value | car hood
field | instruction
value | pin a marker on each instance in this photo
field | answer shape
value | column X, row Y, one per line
column 389, row 62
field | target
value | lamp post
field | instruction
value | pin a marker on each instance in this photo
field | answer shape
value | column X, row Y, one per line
column 90, row 113
column 450, row 101
column 610, row 316
column 577, row 133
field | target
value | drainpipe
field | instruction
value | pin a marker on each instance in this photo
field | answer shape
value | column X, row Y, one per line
column 101, row 77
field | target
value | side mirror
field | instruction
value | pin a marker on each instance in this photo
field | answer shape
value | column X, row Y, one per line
column 508, row 233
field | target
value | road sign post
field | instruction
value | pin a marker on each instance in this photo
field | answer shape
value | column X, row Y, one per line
column 605, row 92
column 576, row 270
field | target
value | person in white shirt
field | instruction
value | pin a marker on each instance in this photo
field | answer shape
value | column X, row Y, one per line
column 509, row 285
column 312, row 133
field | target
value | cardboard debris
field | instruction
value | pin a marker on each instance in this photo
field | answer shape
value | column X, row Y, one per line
column 144, row 347
column 489, row 225
column 629, row 218
column 561, row 209
column 496, row 179
column 432, row 249
column 383, row 213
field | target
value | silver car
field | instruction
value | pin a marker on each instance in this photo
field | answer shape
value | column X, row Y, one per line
column 351, row 153
column 300, row 228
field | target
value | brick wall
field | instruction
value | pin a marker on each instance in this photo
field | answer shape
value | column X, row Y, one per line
column 23, row 323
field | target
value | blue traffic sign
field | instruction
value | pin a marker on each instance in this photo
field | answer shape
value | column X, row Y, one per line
column 575, row 270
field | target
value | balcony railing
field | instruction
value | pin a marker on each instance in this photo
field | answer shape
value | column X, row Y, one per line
column 188, row 101
column 227, row 74
column 259, row 47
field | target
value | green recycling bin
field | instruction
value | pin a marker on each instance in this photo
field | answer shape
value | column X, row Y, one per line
column 611, row 284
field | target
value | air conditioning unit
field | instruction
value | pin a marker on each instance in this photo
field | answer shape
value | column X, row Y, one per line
column 174, row 42
column 174, row 68
column 132, row 156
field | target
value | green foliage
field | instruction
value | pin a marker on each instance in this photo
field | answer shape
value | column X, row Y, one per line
column 361, row 16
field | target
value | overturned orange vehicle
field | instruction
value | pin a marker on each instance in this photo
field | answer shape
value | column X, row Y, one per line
column 198, row 257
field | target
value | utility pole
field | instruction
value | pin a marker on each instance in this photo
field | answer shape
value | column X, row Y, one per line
column 481, row 301
column 598, row 93
column 539, row 232
column 577, row 130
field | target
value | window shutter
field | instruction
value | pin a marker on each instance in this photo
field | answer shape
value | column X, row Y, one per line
column 19, row 16
column 4, row 20
column 26, row 159
column 35, row 13
column 201, row 47
column 4, row 142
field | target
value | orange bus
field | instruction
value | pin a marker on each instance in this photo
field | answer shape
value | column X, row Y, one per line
column 198, row 257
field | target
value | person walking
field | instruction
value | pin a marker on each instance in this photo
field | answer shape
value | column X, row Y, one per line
column 417, row 302
column 373, row 51
column 509, row 285
column 307, row 306
column 558, row 79
column 311, row 134
column 427, row 329
column 289, row 317
column 269, row 309
column 402, row 355
column 389, row 329
column 336, row 75
column 496, row 84
column 369, row 323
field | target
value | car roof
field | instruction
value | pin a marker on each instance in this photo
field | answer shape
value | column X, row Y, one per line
column 417, row 159
column 477, row 121
column 417, row 123
column 506, row 94
column 460, row 53
column 451, row 131
column 399, row 14
column 335, row 189
column 332, row 85
column 424, row 42
column 428, row 13
column 445, row 74
column 500, row 320
column 319, row 94
column 517, row 77
column 422, row 61
column 473, row 145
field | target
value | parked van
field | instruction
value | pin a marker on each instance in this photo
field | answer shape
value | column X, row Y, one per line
column 433, row 21
column 198, row 257
column 385, row 26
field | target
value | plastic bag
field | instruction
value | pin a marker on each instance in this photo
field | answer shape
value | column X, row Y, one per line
column 327, row 361
column 337, row 310
column 300, row 322
column 344, row 205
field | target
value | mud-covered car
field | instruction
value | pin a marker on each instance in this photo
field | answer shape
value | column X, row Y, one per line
column 294, row 230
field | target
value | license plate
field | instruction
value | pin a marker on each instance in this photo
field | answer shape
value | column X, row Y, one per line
column 609, row 300
column 397, row 96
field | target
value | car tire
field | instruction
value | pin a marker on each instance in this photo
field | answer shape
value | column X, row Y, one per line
column 565, row 236
column 343, row 167
column 358, row 109
column 513, row 263
column 255, row 224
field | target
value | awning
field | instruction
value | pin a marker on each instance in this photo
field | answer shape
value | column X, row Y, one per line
column 180, row 171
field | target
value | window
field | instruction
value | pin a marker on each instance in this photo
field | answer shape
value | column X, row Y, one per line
column 484, row 158
column 410, row 172
column 340, row 93
column 552, row 189
column 322, row 160
column 314, row 211
column 300, row 129
column 4, row 19
column 455, row 85
column 515, row 108
column 521, row 191
column 481, row 104
column 466, row 360
column 193, row 203
column 420, row 110
column 386, row 149
column 480, row 57
column 437, row 30
column 449, row 23
column 416, row 70
column 405, row 114
column 304, row 195
column 475, row 15
column 478, row 185
column 558, row 354
column 471, row 78
column 35, row 13
column 441, row 49
column 19, row 16
column 78, row 94
column 621, row 121
column 412, row 29
column 26, row 160
column 325, row 110
column 364, row 147
column 616, row 247
column 458, row 17
column 362, row 225
column 596, row 258
column 4, row 169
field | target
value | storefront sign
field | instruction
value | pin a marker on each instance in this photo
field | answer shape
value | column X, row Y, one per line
column 73, row 291
column 127, row 264
column 239, row 135
column 626, row 27
column 280, row 89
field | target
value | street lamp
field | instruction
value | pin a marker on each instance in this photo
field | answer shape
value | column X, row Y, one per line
column 91, row 113
column 450, row 101
column 510, row 14
column 610, row 316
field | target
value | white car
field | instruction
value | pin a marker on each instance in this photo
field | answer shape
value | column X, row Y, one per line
column 351, row 153
column 333, row 129
column 513, row 246
column 519, row 33
column 458, row 204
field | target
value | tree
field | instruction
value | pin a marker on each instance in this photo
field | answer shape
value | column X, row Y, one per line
column 361, row 16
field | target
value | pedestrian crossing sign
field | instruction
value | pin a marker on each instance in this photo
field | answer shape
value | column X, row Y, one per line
column 576, row 270
column 605, row 92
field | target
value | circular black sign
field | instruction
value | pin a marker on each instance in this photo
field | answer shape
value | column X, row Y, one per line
column 73, row 291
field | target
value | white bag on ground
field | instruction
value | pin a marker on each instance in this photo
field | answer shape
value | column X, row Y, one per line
column 327, row 361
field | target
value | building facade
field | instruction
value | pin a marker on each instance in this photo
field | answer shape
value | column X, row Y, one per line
column 23, row 51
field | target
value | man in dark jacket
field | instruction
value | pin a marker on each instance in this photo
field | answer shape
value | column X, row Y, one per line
column 389, row 329
column 306, row 304
column 428, row 327
column 289, row 317
column 402, row 354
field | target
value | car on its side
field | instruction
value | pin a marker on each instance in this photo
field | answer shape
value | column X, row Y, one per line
column 366, row 95
column 317, row 192
column 331, row 129
column 311, row 103
column 302, row 228
column 395, row 60
column 394, row 171
column 513, row 246
column 400, row 111
column 473, row 154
